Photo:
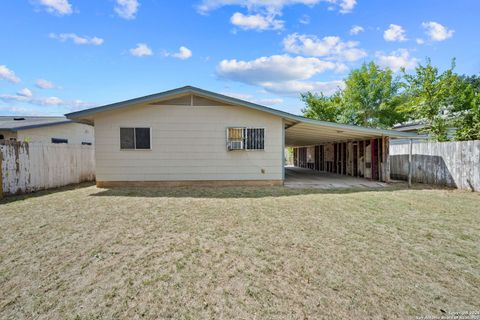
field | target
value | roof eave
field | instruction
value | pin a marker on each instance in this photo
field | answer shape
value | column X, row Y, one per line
column 193, row 90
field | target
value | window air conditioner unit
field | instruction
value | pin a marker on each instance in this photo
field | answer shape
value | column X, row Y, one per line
column 235, row 145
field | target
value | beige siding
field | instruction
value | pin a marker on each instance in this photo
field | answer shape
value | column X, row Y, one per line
column 188, row 143
column 76, row 133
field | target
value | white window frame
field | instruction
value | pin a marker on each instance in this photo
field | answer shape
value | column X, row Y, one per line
column 134, row 138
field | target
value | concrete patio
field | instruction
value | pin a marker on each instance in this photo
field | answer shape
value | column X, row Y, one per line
column 296, row 177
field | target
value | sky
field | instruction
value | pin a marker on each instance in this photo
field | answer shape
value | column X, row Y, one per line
column 59, row 56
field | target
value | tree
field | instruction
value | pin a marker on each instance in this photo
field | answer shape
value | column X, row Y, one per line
column 321, row 107
column 371, row 98
column 467, row 109
column 433, row 97
column 473, row 80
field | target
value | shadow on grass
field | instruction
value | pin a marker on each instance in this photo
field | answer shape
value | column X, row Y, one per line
column 211, row 192
column 40, row 193
column 240, row 192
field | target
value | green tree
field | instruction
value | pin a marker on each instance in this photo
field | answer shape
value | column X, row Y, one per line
column 321, row 107
column 473, row 80
column 371, row 98
column 467, row 109
column 433, row 97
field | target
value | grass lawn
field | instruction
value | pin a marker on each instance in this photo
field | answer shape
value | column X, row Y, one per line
column 248, row 253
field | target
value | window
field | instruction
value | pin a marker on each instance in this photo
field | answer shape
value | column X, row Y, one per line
column 134, row 138
column 246, row 138
column 58, row 140
column 86, row 143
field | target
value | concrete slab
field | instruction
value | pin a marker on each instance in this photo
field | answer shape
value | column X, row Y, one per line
column 306, row 178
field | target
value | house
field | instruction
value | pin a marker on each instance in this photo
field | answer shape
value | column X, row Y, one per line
column 45, row 130
column 190, row 136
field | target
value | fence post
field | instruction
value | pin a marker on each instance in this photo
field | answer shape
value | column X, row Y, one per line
column 410, row 147
column 1, row 173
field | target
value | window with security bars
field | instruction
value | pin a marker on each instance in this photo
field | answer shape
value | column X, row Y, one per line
column 246, row 138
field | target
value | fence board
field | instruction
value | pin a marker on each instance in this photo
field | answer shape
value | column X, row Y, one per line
column 28, row 167
column 453, row 164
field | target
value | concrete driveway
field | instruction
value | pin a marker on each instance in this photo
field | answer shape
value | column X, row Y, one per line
column 306, row 178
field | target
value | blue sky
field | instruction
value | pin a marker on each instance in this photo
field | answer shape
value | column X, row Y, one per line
column 63, row 55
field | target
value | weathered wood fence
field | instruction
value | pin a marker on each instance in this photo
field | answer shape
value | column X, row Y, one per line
column 452, row 164
column 28, row 167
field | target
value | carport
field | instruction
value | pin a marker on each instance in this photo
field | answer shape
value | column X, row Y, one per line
column 331, row 152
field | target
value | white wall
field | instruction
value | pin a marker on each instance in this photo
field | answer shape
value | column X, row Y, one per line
column 76, row 133
column 188, row 143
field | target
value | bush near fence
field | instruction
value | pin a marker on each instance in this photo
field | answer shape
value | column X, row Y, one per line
column 452, row 164
column 28, row 167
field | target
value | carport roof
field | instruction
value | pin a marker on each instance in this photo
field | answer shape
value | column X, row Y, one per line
column 300, row 131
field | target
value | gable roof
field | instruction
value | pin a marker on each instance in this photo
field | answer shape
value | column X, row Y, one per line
column 17, row 123
column 233, row 101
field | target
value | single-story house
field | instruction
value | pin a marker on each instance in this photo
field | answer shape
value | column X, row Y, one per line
column 45, row 130
column 190, row 136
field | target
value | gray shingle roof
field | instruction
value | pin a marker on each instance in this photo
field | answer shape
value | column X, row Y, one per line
column 16, row 123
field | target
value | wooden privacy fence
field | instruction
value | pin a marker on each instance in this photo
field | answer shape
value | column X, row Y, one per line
column 27, row 167
column 452, row 164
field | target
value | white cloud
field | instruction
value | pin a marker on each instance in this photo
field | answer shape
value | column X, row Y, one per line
column 127, row 9
column 396, row 60
column 9, row 75
column 419, row 41
column 61, row 7
column 277, row 67
column 436, row 31
column 44, row 84
column 249, row 97
column 347, row 6
column 25, row 96
column 263, row 14
column 332, row 47
column 256, row 22
column 394, row 33
column 305, row 19
column 271, row 5
column 183, row 53
column 25, row 92
column 295, row 87
column 141, row 50
column 82, row 40
column 280, row 74
column 356, row 30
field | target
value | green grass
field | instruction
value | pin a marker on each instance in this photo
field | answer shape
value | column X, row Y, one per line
column 248, row 253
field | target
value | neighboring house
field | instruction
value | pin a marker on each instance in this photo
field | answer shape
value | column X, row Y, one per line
column 191, row 136
column 45, row 130
column 417, row 127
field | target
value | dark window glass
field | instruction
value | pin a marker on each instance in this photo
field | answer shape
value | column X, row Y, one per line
column 255, row 139
column 56, row 140
column 86, row 143
column 142, row 138
column 127, row 138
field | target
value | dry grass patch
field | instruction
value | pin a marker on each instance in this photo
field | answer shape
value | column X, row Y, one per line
column 246, row 253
